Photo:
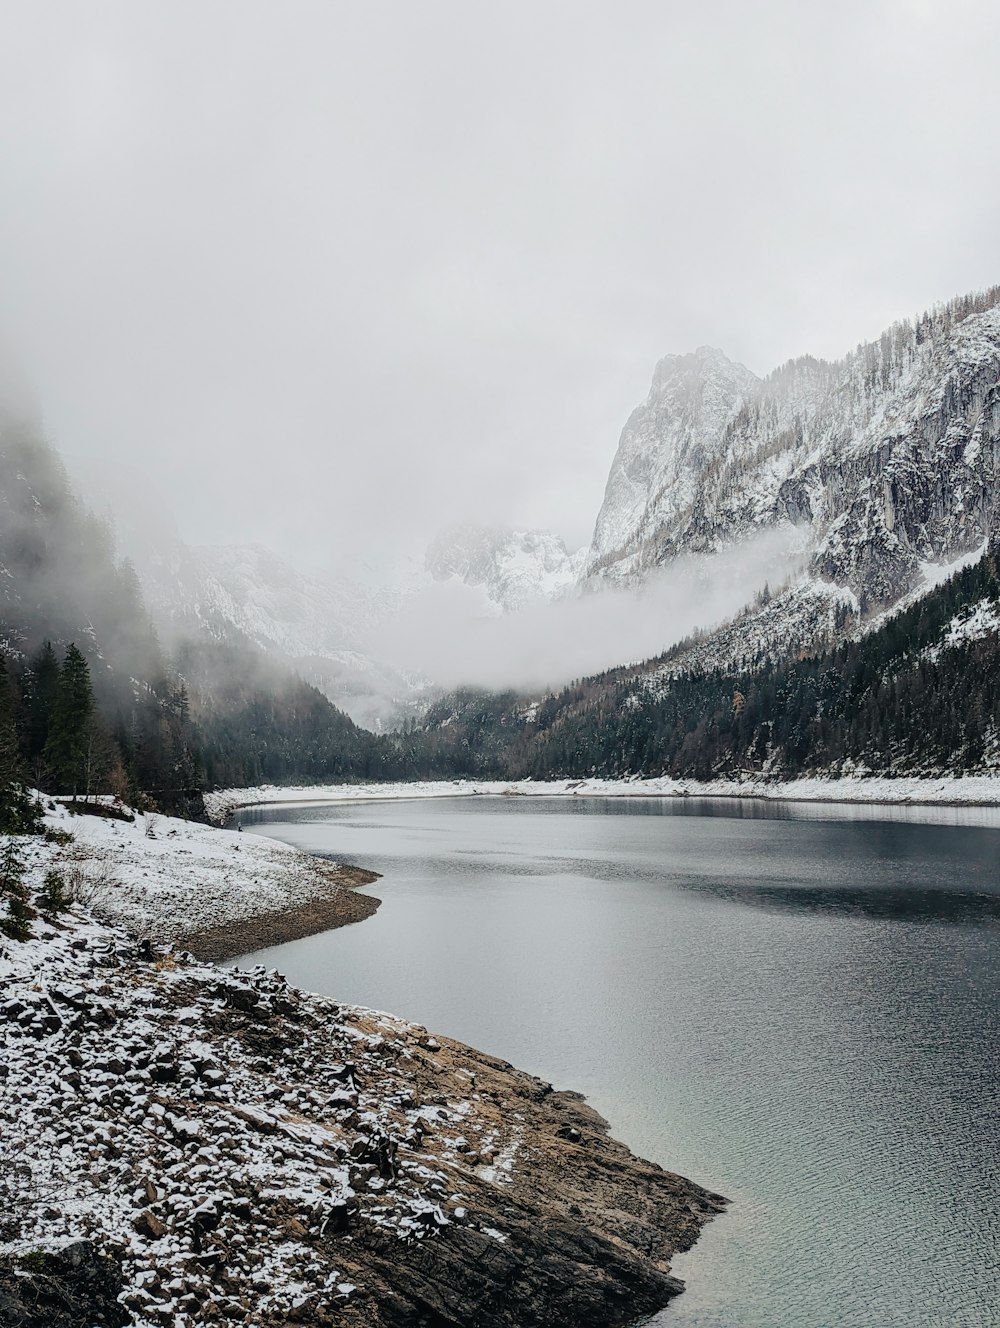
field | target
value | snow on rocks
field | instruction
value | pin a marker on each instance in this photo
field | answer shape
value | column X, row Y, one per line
column 212, row 1127
column 169, row 878
column 244, row 1152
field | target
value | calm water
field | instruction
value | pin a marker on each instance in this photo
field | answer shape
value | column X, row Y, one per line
column 795, row 1006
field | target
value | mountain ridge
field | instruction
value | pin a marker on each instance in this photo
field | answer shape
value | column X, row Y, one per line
column 881, row 460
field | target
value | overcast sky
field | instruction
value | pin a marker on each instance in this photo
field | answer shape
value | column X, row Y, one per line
column 332, row 275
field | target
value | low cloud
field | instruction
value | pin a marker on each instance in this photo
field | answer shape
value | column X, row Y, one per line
column 451, row 633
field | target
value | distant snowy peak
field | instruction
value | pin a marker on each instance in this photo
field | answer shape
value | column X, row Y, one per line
column 513, row 567
column 667, row 445
column 319, row 625
column 251, row 589
column 881, row 461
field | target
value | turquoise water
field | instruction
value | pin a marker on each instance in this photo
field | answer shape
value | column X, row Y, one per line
column 795, row 1006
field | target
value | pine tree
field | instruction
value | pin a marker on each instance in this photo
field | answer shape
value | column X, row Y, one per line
column 15, row 810
column 68, row 745
column 53, row 899
column 15, row 921
column 41, row 685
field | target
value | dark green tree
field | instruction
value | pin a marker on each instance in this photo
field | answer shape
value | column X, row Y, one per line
column 70, row 728
column 16, row 912
column 16, row 813
column 41, row 681
column 53, row 898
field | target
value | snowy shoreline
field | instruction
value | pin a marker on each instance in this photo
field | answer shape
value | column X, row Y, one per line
column 215, row 892
column 177, row 1136
column 943, row 791
column 202, row 1136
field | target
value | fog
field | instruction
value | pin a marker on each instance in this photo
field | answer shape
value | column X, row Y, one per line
column 330, row 277
column 336, row 275
column 455, row 636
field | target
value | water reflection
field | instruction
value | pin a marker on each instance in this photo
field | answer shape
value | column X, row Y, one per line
column 797, row 1010
column 740, row 809
column 907, row 904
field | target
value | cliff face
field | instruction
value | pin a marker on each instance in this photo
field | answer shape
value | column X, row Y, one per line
column 879, row 462
column 666, row 448
column 920, row 483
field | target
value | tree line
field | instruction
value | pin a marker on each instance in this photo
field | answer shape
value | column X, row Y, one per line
column 139, row 742
column 899, row 700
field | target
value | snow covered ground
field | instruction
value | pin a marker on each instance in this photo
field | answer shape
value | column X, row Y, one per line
column 237, row 1151
column 966, row 790
column 161, row 876
column 975, row 623
column 142, row 1103
column 209, row 1126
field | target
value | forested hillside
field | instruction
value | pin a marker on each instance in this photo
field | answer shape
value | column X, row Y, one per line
column 89, row 700
column 95, row 704
column 256, row 723
column 919, row 695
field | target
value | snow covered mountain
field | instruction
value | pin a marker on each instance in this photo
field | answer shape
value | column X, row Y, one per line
column 252, row 589
column 858, row 479
column 319, row 626
column 873, row 470
column 513, row 567
column 881, row 462
column 666, row 448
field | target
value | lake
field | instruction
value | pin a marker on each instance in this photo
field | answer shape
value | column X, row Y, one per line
column 795, row 1005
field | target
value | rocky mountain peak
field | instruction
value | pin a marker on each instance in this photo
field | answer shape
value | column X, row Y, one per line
column 881, row 462
column 513, row 567
column 690, row 365
column 666, row 446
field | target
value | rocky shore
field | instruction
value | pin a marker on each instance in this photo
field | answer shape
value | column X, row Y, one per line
column 336, row 906
column 184, row 1145
column 217, row 893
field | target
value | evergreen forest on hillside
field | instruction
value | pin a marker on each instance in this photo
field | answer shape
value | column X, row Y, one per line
column 91, row 702
column 896, row 701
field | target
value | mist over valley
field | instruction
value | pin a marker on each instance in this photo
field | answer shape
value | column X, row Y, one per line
column 499, row 522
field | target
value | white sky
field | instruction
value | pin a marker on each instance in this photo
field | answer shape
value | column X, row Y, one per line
column 330, row 276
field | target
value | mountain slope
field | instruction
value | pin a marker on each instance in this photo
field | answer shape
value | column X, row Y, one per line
column 162, row 722
column 919, row 694
column 878, row 462
column 59, row 577
column 247, row 594
column 252, row 590
column 514, row 568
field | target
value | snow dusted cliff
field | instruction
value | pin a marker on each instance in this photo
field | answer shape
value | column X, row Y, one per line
column 851, row 482
column 666, row 448
column 880, row 462
column 514, row 567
